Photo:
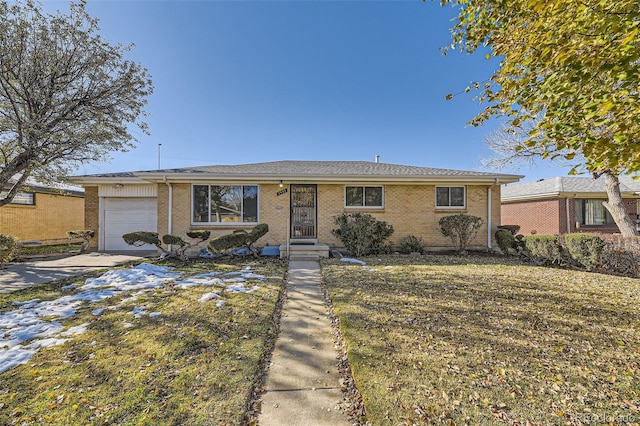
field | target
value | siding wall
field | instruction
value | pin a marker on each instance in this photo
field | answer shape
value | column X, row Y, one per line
column 50, row 219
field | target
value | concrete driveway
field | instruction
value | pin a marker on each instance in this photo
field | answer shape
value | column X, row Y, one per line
column 17, row 276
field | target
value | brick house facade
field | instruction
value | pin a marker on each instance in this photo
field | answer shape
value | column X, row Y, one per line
column 42, row 215
column 563, row 205
column 409, row 198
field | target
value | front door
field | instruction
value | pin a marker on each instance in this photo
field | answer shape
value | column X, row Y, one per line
column 303, row 211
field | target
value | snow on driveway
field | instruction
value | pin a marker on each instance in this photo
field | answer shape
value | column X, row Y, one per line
column 35, row 324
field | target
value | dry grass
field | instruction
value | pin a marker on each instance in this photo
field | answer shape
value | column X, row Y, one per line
column 482, row 340
column 195, row 364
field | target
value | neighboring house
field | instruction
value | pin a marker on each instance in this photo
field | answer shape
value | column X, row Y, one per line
column 565, row 204
column 297, row 199
column 43, row 215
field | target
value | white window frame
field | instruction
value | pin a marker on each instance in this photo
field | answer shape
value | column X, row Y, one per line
column 17, row 200
column 242, row 185
column 450, row 207
column 363, row 207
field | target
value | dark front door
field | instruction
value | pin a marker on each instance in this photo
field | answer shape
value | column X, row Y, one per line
column 303, row 211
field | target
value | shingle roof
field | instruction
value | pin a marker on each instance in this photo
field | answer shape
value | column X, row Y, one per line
column 291, row 169
column 35, row 186
column 563, row 185
column 324, row 168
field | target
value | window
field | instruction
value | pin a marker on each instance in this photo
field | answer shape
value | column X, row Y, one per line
column 450, row 196
column 364, row 196
column 225, row 204
column 590, row 211
column 24, row 198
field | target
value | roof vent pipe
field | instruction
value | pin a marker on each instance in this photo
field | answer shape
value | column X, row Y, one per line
column 377, row 158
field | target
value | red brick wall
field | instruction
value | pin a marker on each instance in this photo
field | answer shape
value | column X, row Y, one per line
column 536, row 216
column 549, row 216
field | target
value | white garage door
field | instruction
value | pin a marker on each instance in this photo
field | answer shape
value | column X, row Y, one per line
column 123, row 215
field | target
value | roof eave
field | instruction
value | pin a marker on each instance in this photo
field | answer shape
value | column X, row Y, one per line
column 556, row 194
column 270, row 177
column 107, row 180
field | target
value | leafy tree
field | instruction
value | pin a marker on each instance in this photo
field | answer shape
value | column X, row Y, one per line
column 67, row 97
column 570, row 70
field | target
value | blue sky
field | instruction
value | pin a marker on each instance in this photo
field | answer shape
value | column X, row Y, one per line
column 252, row 81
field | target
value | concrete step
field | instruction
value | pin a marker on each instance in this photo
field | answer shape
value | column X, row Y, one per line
column 304, row 251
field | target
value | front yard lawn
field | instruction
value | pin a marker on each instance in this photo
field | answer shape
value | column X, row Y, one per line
column 174, row 354
column 482, row 340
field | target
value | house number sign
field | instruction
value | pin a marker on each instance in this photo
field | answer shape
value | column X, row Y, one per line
column 282, row 191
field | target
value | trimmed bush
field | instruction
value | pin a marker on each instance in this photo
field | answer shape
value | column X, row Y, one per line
column 506, row 241
column 362, row 234
column 201, row 235
column 461, row 228
column 544, row 248
column 9, row 248
column 174, row 240
column 140, row 238
column 513, row 229
column 85, row 234
column 412, row 244
column 237, row 239
column 586, row 249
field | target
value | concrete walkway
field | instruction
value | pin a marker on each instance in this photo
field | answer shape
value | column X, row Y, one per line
column 302, row 385
column 17, row 276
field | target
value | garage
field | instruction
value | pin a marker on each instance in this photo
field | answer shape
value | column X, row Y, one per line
column 124, row 215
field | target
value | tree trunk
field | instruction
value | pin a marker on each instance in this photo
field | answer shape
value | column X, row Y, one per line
column 615, row 206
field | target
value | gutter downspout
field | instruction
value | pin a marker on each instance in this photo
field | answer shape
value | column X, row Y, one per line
column 169, row 213
column 566, row 207
column 489, row 224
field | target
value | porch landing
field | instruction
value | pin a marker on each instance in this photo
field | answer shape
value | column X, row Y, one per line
column 305, row 251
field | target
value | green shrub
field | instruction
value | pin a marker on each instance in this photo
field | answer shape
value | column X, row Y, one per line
column 362, row 234
column 544, row 248
column 140, row 238
column 237, row 239
column 174, row 240
column 513, row 229
column 461, row 228
column 9, row 248
column 586, row 249
column 201, row 235
column 412, row 244
column 506, row 241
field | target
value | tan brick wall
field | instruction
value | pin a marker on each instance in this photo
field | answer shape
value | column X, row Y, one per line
column 91, row 213
column 409, row 208
column 50, row 219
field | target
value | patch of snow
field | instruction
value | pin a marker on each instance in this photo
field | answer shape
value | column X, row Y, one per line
column 138, row 312
column 208, row 296
column 352, row 260
column 78, row 329
column 219, row 303
column 97, row 311
column 199, row 280
column 14, row 356
column 240, row 288
column 45, row 343
column 154, row 314
column 27, row 304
